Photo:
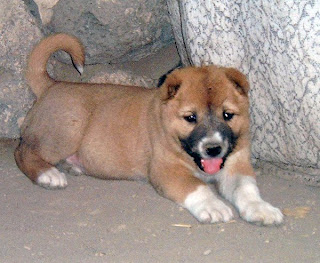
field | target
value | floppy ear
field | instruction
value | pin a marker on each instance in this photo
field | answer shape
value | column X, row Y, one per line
column 242, row 84
column 170, row 86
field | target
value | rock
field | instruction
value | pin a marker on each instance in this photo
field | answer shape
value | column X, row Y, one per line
column 276, row 44
column 111, row 31
column 123, row 78
column 102, row 73
column 18, row 34
column 45, row 9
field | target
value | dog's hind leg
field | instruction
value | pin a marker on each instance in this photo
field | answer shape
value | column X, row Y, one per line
column 38, row 170
column 71, row 165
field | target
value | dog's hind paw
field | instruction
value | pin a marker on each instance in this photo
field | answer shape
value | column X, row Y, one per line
column 261, row 212
column 206, row 207
column 52, row 179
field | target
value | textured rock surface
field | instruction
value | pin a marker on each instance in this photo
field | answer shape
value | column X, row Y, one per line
column 112, row 31
column 123, row 78
column 102, row 74
column 18, row 34
column 277, row 45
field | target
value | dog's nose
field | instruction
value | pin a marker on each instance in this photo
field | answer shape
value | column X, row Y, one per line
column 213, row 150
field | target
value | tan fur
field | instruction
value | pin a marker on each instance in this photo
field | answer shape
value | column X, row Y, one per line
column 121, row 132
column 36, row 74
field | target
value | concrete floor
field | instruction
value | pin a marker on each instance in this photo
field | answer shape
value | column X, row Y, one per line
column 119, row 221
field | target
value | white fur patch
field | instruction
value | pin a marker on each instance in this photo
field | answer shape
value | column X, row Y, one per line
column 79, row 68
column 215, row 138
column 206, row 207
column 52, row 179
column 252, row 208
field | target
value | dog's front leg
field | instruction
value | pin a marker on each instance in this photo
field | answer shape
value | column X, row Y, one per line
column 179, row 185
column 204, row 205
column 243, row 193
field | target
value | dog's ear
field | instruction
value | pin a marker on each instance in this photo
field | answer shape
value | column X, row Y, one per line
column 171, row 86
column 240, row 80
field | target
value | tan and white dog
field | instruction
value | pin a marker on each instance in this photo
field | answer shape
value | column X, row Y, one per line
column 192, row 131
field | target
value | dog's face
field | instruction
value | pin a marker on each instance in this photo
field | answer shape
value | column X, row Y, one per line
column 206, row 111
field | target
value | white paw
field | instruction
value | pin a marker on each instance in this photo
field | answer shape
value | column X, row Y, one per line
column 261, row 212
column 212, row 212
column 52, row 179
column 206, row 207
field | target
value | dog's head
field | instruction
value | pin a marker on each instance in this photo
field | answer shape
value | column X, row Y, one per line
column 206, row 111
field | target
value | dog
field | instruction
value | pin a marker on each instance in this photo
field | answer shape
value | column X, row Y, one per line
column 190, row 133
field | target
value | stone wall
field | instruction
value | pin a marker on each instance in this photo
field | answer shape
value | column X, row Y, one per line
column 18, row 33
column 112, row 32
column 276, row 44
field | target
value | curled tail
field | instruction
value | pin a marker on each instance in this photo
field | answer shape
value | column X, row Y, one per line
column 37, row 75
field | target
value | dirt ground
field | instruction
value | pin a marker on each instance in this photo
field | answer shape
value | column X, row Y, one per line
column 118, row 221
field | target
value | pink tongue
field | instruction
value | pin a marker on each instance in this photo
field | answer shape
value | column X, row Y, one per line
column 211, row 166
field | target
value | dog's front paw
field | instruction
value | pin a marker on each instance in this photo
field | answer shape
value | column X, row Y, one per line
column 52, row 179
column 212, row 211
column 206, row 207
column 261, row 212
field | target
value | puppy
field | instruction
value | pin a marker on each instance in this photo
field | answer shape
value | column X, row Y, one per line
column 192, row 131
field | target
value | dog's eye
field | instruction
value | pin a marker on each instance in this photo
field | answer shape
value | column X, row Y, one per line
column 191, row 118
column 227, row 116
